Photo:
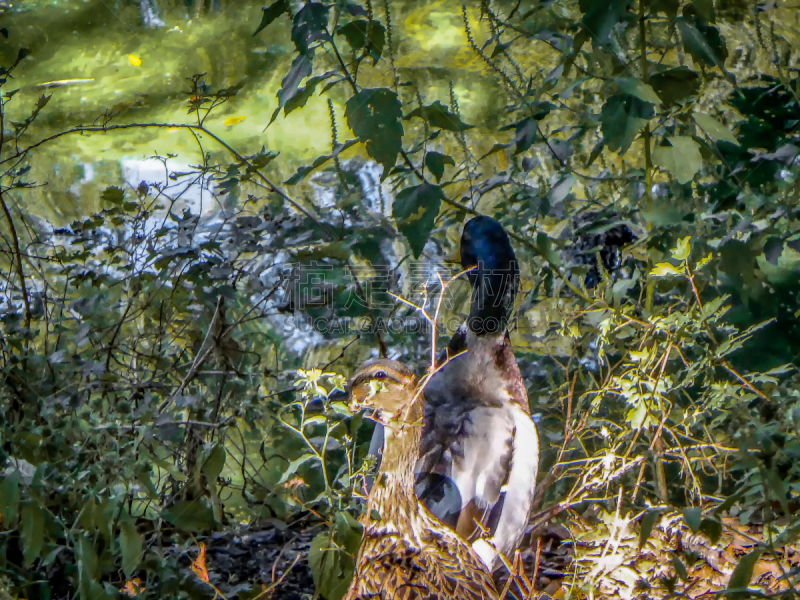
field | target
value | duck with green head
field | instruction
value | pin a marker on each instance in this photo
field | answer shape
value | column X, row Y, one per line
column 479, row 452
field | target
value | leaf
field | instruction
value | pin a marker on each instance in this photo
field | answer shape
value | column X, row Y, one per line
column 272, row 12
column 214, row 464
column 9, row 500
column 682, row 250
column 681, row 158
column 692, row 516
column 356, row 33
column 649, row 520
column 636, row 87
column 680, row 568
column 302, row 172
column 134, row 60
column 348, row 532
column 435, row 162
column 675, row 85
column 303, row 94
column 438, row 115
column 560, row 190
column 743, row 573
column 294, row 465
column 714, row 129
column 665, row 270
column 310, row 24
column 526, row 134
column 703, row 42
column 711, row 528
column 328, row 567
column 300, row 69
column 31, row 532
column 622, row 117
column 601, row 16
column 374, row 114
column 190, row 515
column 113, row 195
column 130, row 546
column 233, row 120
column 415, row 210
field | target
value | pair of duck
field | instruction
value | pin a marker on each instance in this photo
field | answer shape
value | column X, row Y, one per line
column 459, row 454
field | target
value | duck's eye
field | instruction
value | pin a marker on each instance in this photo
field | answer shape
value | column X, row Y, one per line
column 380, row 375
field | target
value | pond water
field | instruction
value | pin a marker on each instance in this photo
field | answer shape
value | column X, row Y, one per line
column 96, row 56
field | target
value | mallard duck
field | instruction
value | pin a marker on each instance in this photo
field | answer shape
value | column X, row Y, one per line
column 406, row 553
column 479, row 452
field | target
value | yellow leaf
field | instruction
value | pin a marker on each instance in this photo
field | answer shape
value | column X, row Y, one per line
column 199, row 564
column 233, row 120
column 664, row 269
column 134, row 60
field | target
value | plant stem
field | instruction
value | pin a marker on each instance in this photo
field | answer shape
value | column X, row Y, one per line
column 648, row 161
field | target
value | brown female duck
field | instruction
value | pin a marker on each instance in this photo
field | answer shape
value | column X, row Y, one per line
column 406, row 553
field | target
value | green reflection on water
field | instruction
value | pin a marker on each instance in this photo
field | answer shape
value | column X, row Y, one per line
column 101, row 57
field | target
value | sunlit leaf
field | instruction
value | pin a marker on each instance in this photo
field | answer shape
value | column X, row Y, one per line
column 714, row 128
column 665, row 270
column 234, row 120
column 682, row 250
column 134, row 60
column 681, row 158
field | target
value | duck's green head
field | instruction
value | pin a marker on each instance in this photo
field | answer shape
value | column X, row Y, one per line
column 486, row 249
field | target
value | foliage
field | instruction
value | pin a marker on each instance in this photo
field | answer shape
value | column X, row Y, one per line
column 643, row 158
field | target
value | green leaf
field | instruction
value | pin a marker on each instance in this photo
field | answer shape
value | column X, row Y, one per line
column 32, row 532
column 190, row 515
column 692, row 516
column 310, row 24
column 527, row 132
column 113, row 195
column 676, row 85
column 743, row 573
column 299, row 99
column 560, row 190
column 302, row 172
column 300, row 69
column 374, row 114
column 649, row 520
column 622, row 117
column 636, row 87
column 681, row 158
column 348, row 532
column 294, row 465
column 272, row 12
column 9, row 500
column 703, row 42
column 545, row 246
column 714, row 128
column 665, row 270
column 415, row 210
column 601, row 16
column 214, row 464
column 680, row 568
column 355, row 32
column 438, row 115
column 329, row 567
column 130, row 546
column 711, row 528
column 435, row 162
column 682, row 250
